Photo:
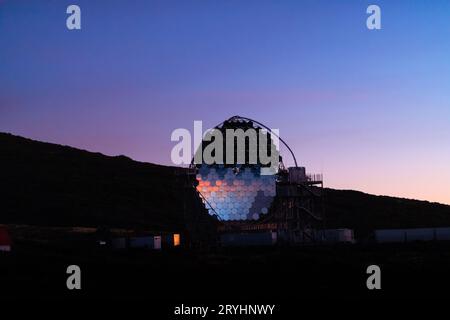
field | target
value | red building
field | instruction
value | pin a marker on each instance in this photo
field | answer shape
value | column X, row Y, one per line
column 5, row 240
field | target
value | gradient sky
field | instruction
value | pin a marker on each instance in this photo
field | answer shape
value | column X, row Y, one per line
column 368, row 109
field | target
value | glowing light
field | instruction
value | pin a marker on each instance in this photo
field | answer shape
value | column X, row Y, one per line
column 176, row 239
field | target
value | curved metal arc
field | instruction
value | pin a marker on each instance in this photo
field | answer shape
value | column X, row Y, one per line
column 265, row 127
column 270, row 130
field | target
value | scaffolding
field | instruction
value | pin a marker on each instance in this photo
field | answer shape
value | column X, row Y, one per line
column 298, row 210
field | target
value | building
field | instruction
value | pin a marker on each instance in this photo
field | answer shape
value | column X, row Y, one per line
column 5, row 240
column 146, row 242
column 343, row 235
column 171, row 240
column 248, row 239
column 412, row 235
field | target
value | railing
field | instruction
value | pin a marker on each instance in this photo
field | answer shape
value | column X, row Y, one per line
column 316, row 177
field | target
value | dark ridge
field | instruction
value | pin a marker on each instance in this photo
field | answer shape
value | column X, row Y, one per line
column 365, row 212
column 53, row 185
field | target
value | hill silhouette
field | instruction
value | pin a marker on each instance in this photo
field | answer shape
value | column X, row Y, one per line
column 53, row 185
column 365, row 212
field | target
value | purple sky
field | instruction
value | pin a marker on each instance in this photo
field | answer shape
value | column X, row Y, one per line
column 368, row 109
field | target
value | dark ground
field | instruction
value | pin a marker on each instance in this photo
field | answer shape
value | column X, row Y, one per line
column 47, row 185
column 264, row 275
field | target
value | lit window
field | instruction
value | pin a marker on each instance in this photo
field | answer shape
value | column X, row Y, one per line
column 176, row 239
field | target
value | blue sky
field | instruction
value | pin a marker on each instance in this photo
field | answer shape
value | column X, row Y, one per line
column 368, row 109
